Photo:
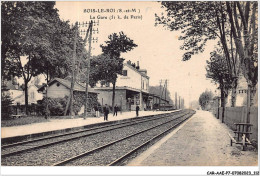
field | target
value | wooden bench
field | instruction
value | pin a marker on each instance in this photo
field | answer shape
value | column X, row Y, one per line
column 17, row 116
column 242, row 134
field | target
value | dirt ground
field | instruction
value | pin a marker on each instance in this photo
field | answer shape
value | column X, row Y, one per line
column 202, row 141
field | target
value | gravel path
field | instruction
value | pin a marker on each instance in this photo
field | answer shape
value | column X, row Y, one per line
column 203, row 141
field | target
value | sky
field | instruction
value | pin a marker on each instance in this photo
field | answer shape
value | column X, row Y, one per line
column 158, row 49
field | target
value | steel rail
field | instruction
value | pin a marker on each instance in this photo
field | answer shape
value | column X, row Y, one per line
column 122, row 158
column 79, row 131
column 121, row 125
column 109, row 144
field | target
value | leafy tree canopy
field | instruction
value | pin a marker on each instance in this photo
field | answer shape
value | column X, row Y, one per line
column 110, row 62
column 205, row 99
column 117, row 44
column 217, row 70
column 196, row 20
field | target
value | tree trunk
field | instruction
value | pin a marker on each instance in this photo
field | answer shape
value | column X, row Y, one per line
column 248, row 103
column 234, row 93
column 47, row 114
column 26, row 96
column 70, row 101
column 218, row 109
column 223, row 103
column 67, row 106
column 252, row 95
column 113, row 96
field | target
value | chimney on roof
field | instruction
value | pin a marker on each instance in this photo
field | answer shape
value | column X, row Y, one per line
column 137, row 66
column 128, row 62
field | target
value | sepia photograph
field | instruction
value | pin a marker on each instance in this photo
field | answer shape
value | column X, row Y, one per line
column 137, row 85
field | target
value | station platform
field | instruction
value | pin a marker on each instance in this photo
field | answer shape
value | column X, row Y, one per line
column 61, row 124
column 200, row 141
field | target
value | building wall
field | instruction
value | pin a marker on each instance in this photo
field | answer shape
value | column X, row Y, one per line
column 242, row 93
column 133, row 80
column 105, row 97
column 60, row 91
column 238, row 115
column 15, row 93
column 33, row 96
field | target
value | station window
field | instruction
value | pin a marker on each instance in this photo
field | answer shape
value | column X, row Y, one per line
column 124, row 72
column 32, row 95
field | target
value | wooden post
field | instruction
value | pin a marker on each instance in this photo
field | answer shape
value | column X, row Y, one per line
column 165, row 92
column 70, row 100
column 121, row 104
column 179, row 102
column 88, row 69
column 176, row 101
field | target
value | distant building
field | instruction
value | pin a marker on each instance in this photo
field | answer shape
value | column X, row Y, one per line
column 241, row 98
column 17, row 93
column 33, row 96
column 13, row 88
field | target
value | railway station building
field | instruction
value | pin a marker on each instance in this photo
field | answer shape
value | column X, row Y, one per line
column 132, row 89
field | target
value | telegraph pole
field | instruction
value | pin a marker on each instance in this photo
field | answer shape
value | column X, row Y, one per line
column 160, row 94
column 176, row 103
column 165, row 88
column 165, row 93
column 70, row 101
column 88, row 68
column 179, row 102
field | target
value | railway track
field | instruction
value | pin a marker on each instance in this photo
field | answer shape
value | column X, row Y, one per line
column 29, row 145
column 80, row 137
column 110, row 161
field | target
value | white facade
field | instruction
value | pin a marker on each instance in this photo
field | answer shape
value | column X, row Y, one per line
column 133, row 79
column 33, row 96
column 241, row 96
column 15, row 93
column 132, row 87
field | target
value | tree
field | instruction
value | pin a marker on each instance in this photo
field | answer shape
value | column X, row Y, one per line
column 217, row 70
column 117, row 44
column 199, row 22
column 205, row 98
column 78, row 57
column 203, row 21
column 6, row 103
column 243, row 21
column 34, row 31
column 27, row 34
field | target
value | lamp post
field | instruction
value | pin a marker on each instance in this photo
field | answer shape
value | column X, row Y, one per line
column 121, row 104
column 47, row 114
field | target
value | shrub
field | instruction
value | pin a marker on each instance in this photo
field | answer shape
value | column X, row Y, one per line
column 6, row 105
column 57, row 105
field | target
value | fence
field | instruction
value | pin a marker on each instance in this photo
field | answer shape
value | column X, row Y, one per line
column 238, row 115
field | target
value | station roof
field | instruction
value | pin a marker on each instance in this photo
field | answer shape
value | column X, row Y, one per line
column 77, row 86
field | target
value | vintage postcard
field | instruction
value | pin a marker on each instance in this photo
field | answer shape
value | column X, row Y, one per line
column 129, row 83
